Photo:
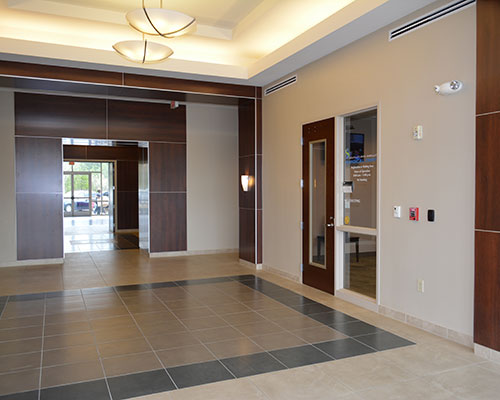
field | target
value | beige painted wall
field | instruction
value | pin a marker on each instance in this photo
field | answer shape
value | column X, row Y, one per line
column 8, row 252
column 436, row 173
column 212, row 177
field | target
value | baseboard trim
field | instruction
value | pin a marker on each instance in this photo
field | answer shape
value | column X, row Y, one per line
column 358, row 299
column 438, row 330
column 281, row 273
column 486, row 352
column 249, row 264
column 27, row 263
column 166, row 254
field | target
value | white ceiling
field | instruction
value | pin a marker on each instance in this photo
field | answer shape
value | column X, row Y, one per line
column 245, row 41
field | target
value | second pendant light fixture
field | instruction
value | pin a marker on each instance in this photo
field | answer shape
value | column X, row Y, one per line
column 155, row 22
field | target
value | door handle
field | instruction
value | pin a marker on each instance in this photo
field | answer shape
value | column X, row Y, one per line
column 329, row 225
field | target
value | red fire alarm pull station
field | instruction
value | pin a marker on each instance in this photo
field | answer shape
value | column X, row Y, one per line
column 413, row 213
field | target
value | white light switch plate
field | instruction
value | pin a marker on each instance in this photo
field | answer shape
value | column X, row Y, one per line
column 396, row 211
column 418, row 132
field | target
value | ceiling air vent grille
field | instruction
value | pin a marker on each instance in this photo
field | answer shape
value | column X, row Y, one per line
column 280, row 85
column 435, row 15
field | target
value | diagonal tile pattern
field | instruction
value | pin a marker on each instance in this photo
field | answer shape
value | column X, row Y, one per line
column 131, row 340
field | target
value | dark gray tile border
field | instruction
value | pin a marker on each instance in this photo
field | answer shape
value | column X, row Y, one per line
column 384, row 341
column 344, row 348
column 33, row 395
column 299, row 356
column 356, row 328
column 199, row 374
column 368, row 339
column 252, row 364
column 141, row 384
column 93, row 390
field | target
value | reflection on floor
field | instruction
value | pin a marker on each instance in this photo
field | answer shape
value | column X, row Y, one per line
column 99, row 335
column 83, row 234
column 364, row 274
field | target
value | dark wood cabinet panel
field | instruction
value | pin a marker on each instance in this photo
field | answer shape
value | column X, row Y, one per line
column 167, row 167
column 60, row 116
column 246, row 128
column 39, row 226
column 127, row 209
column 101, row 153
column 71, row 152
column 487, row 172
column 186, row 85
column 168, row 222
column 247, row 235
column 488, row 56
column 130, row 120
column 60, row 73
column 487, row 290
column 38, row 165
column 247, row 167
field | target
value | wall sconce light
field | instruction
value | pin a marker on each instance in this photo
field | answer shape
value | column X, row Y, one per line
column 245, row 182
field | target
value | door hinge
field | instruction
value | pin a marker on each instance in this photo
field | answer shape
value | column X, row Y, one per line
column 302, row 183
column 302, row 141
column 301, row 267
column 302, row 225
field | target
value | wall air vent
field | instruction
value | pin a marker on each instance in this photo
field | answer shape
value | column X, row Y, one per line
column 280, row 85
column 435, row 15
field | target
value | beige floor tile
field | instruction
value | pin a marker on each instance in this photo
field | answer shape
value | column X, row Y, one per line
column 122, row 321
column 123, row 347
column 70, row 327
column 262, row 304
column 471, row 382
column 130, row 363
column 70, row 355
column 20, row 346
column 153, row 318
column 71, row 373
column 185, row 355
column 217, row 334
column 303, row 383
column 172, row 340
column 19, row 381
column 204, row 323
column 243, row 318
column 278, row 313
column 114, row 334
column 107, row 312
column 280, row 340
column 19, row 362
column 318, row 334
column 234, row 347
column 259, row 328
column 184, row 303
column 66, row 317
column 189, row 313
column 417, row 389
column 231, row 308
column 73, row 339
column 21, row 322
column 300, row 322
column 20, row 333
column 165, row 327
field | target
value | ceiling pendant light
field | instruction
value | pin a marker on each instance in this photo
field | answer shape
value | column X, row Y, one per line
column 160, row 22
column 143, row 51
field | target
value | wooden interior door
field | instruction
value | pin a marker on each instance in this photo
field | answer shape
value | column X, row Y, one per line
column 318, row 172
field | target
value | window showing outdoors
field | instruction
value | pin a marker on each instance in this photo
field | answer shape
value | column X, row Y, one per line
column 360, row 169
column 86, row 188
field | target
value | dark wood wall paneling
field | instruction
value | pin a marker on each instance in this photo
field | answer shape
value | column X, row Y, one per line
column 168, row 197
column 487, row 234
column 39, row 198
column 127, row 183
column 250, row 163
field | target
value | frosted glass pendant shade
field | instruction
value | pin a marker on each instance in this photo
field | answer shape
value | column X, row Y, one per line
column 161, row 22
column 142, row 51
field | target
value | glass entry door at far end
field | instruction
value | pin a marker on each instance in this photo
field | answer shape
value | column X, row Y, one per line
column 318, row 172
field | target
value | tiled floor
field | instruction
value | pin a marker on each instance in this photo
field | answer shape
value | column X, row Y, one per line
column 84, row 234
column 280, row 339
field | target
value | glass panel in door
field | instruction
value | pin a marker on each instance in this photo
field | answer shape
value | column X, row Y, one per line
column 82, row 201
column 68, row 195
column 317, row 205
column 360, row 263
